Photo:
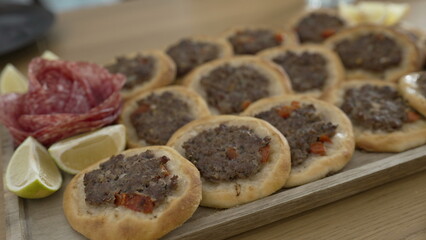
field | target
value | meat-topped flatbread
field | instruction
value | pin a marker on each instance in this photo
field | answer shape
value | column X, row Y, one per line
column 140, row 193
column 413, row 89
column 190, row 52
column 319, row 134
column 143, row 71
column 382, row 120
column 240, row 159
column 153, row 116
column 416, row 35
column 375, row 52
column 230, row 85
column 312, row 69
column 316, row 26
column 251, row 40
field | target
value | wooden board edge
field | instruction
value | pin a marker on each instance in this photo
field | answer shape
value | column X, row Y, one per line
column 233, row 221
column 13, row 207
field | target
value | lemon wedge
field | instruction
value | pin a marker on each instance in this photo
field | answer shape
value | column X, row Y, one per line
column 31, row 172
column 351, row 13
column 49, row 55
column 76, row 153
column 373, row 12
column 11, row 80
column 381, row 13
column 396, row 12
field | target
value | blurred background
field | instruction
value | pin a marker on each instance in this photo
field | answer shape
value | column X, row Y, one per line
column 63, row 5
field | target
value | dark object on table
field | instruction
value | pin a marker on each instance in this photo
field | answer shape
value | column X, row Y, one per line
column 20, row 25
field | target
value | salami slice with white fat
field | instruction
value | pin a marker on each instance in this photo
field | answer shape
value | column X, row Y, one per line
column 64, row 98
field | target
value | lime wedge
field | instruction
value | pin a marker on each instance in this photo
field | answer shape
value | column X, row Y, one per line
column 76, row 153
column 11, row 80
column 31, row 172
column 49, row 55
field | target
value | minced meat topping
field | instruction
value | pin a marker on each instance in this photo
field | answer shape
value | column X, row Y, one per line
column 159, row 116
column 231, row 89
column 317, row 27
column 188, row 54
column 377, row 108
column 373, row 52
column 139, row 182
column 227, row 153
column 253, row 41
column 421, row 83
column 137, row 70
column 307, row 71
column 305, row 131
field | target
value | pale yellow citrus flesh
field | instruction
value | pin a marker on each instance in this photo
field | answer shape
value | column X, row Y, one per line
column 381, row 13
column 76, row 153
column 81, row 156
column 31, row 172
column 49, row 55
column 12, row 81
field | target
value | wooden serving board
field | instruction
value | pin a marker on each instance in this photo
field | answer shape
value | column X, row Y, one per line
column 44, row 218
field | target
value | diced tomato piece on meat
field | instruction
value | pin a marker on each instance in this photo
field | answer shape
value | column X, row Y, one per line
column 264, row 151
column 328, row 33
column 285, row 111
column 318, row 148
column 245, row 104
column 279, row 38
column 135, row 202
column 412, row 116
column 295, row 104
column 325, row 138
column 142, row 108
column 231, row 153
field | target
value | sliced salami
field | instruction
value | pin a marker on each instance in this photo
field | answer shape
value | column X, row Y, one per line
column 64, row 98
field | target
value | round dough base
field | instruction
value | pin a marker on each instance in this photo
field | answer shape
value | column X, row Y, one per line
column 271, row 177
column 109, row 222
column 409, row 136
column 196, row 104
column 339, row 152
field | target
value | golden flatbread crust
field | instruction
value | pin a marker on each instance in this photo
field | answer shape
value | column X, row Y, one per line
column 279, row 83
column 335, row 70
column 410, row 91
column 409, row 136
column 410, row 62
column 289, row 38
column 164, row 73
column 198, row 109
column 416, row 35
column 271, row 177
column 339, row 152
column 110, row 222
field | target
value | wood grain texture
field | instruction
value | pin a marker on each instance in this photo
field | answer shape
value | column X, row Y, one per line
column 396, row 210
column 384, row 212
column 14, row 210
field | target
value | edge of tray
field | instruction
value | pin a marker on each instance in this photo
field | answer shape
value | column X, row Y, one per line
column 292, row 201
column 13, row 206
